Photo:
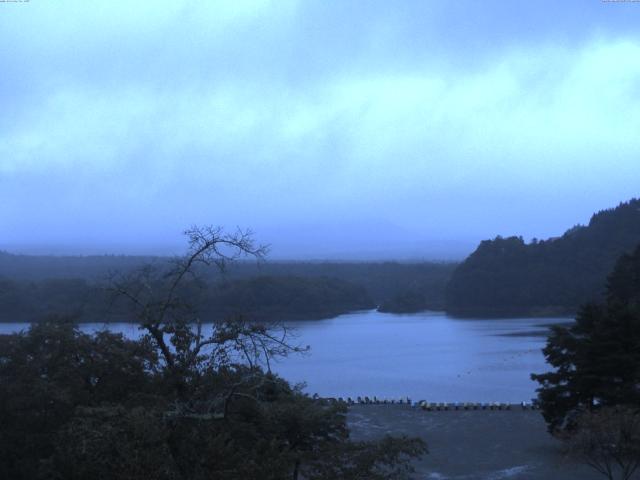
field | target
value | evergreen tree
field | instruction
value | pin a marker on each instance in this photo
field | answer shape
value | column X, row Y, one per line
column 596, row 360
column 507, row 276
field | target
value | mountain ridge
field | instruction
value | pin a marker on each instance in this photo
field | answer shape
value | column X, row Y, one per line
column 507, row 276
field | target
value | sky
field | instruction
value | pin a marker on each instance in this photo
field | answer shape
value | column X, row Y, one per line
column 334, row 129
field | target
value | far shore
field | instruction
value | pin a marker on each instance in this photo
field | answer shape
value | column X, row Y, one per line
column 80, row 320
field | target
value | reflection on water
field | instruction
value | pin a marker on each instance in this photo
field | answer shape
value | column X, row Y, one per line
column 424, row 356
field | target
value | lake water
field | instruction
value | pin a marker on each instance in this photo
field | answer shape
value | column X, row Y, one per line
column 426, row 355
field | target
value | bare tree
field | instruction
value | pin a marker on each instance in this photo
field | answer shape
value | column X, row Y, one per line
column 608, row 440
column 156, row 297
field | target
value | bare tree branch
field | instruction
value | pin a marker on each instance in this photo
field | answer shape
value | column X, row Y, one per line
column 154, row 296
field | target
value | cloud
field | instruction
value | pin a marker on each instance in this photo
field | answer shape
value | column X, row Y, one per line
column 244, row 114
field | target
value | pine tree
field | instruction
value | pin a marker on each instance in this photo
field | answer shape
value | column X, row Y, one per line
column 597, row 359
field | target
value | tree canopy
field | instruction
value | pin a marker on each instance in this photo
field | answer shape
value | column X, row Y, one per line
column 184, row 402
column 32, row 287
column 597, row 359
column 507, row 276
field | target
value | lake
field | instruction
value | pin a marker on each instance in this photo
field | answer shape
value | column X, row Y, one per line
column 427, row 355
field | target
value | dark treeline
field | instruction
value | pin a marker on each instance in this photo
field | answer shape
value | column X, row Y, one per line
column 503, row 277
column 383, row 281
column 285, row 298
column 590, row 399
column 259, row 298
column 507, row 276
column 597, row 359
column 414, row 300
column 90, row 267
column 33, row 286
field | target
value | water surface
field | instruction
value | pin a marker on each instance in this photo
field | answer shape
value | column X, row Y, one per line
column 426, row 355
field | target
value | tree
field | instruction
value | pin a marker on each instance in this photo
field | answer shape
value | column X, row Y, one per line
column 156, row 297
column 506, row 276
column 596, row 360
column 183, row 402
column 49, row 371
column 608, row 440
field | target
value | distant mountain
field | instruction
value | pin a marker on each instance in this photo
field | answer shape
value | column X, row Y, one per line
column 507, row 276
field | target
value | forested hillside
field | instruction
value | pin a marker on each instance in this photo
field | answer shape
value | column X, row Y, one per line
column 33, row 285
column 507, row 276
column 261, row 298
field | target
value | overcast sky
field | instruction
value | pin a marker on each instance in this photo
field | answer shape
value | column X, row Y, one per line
column 333, row 129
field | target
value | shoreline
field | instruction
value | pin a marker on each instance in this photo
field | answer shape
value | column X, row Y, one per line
column 472, row 444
